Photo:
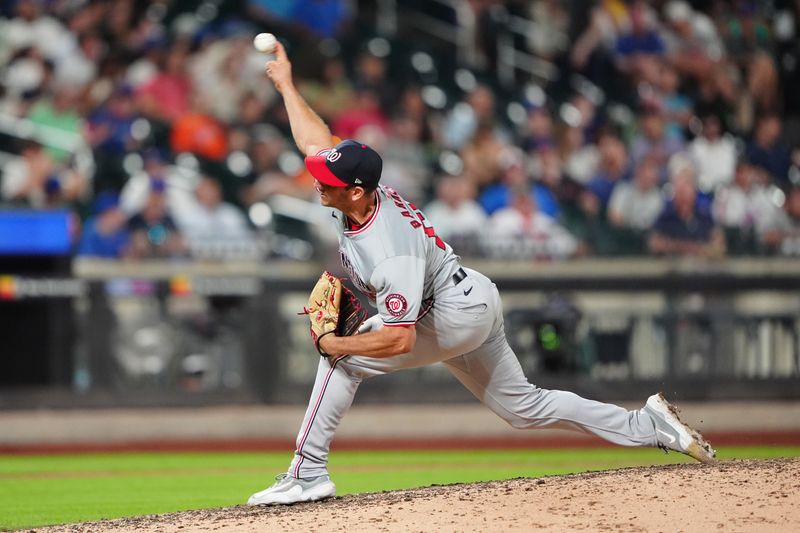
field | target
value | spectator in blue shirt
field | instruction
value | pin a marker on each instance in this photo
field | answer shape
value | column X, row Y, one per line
column 153, row 232
column 512, row 175
column 110, row 124
column 637, row 52
column 105, row 234
column 544, row 189
column 547, row 181
column 642, row 38
column 613, row 168
column 768, row 151
column 110, row 133
column 685, row 226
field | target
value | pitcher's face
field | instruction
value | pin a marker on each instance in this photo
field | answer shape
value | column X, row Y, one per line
column 330, row 196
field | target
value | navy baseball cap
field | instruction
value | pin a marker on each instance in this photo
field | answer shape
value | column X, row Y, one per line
column 346, row 164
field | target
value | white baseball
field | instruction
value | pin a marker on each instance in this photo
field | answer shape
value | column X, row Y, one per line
column 265, row 42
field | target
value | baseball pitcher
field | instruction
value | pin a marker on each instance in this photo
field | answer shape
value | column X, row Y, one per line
column 430, row 309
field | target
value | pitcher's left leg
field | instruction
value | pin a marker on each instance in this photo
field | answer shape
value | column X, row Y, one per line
column 493, row 374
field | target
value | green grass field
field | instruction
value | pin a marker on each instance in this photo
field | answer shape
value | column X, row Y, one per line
column 51, row 489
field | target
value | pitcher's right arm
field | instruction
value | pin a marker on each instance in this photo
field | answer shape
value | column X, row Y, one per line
column 310, row 132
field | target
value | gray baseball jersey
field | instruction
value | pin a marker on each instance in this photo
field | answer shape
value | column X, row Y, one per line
column 396, row 259
column 414, row 278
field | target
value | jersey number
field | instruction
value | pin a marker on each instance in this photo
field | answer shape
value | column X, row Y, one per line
column 427, row 228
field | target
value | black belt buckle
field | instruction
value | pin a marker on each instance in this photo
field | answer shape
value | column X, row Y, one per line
column 459, row 276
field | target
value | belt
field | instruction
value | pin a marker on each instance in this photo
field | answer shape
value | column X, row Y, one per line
column 459, row 276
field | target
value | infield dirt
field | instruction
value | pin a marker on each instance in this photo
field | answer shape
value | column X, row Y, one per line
column 727, row 496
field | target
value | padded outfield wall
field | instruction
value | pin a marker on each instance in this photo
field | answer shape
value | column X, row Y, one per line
column 172, row 334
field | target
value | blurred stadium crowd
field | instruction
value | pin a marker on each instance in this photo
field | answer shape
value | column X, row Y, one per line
column 668, row 127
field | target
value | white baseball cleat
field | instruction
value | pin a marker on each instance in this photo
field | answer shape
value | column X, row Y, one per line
column 672, row 434
column 288, row 490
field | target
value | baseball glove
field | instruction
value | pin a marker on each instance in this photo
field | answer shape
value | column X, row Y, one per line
column 333, row 308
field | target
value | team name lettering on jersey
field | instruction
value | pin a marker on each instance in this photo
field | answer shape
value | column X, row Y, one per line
column 354, row 277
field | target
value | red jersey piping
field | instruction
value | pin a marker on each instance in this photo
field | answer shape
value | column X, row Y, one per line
column 369, row 221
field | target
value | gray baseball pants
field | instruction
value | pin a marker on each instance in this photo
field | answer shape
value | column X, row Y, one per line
column 465, row 333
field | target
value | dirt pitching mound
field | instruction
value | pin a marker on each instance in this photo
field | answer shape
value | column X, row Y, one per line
column 727, row 496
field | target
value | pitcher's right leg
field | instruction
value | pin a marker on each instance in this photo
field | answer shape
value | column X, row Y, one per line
column 307, row 478
column 333, row 393
column 334, row 389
